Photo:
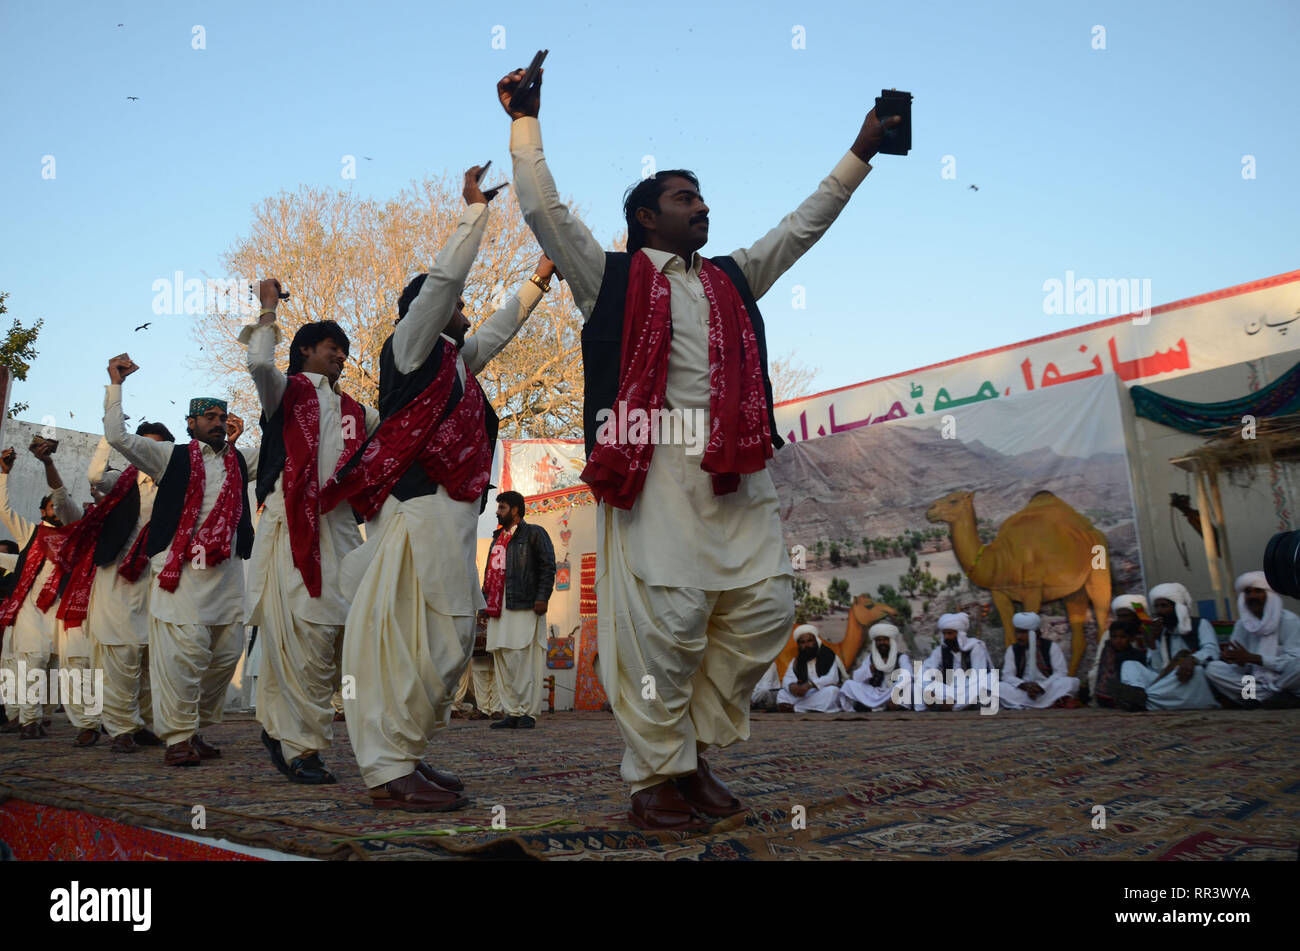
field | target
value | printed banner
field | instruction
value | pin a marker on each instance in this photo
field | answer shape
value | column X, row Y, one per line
column 536, row 466
column 1226, row 327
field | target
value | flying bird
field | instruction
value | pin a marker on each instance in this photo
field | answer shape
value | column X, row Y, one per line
column 367, row 158
column 134, row 98
column 144, row 326
column 974, row 188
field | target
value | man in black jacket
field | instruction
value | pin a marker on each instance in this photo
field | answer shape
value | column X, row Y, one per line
column 517, row 585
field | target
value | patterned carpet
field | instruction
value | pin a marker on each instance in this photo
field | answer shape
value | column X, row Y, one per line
column 1018, row 785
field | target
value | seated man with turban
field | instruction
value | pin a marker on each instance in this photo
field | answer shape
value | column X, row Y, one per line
column 1265, row 647
column 812, row 683
column 1034, row 672
column 884, row 670
column 956, row 651
column 1173, row 678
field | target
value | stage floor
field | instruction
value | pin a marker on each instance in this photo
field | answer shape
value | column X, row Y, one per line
column 1024, row 785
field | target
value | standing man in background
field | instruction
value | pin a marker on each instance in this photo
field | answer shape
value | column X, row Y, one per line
column 517, row 585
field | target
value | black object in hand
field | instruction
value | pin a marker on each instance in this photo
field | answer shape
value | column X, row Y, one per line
column 898, row 139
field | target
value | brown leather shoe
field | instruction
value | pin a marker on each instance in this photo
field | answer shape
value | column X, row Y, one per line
column 708, row 794
column 414, row 793
column 181, row 754
column 33, row 731
column 205, row 749
column 663, row 807
column 87, row 737
column 124, row 744
column 438, row 777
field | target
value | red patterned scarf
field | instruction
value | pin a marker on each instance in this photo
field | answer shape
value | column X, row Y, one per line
column 36, row 555
column 740, row 439
column 76, row 558
column 454, row 453
column 135, row 562
column 218, row 529
column 494, row 580
column 300, row 479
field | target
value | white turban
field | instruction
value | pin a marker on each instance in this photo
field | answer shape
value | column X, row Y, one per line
column 803, row 629
column 1026, row 621
column 884, row 629
column 1125, row 602
column 1175, row 592
column 957, row 622
column 1272, row 607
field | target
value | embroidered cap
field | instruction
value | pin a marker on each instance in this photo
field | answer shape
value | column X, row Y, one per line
column 201, row 404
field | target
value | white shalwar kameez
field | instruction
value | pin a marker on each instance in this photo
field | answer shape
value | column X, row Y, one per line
column 413, row 585
column 694, row 592
column 981, row 665
column 824, row 697
column 300, row 635
column 517, row 641
column 1059, row 684
column 35, row 635
column 1275, row 638
column 1168, row 692
column 196, row 633
column 117, row 620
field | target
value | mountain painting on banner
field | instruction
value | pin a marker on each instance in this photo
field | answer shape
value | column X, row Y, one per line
column 876, row 496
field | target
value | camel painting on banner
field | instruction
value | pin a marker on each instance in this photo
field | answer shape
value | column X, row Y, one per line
column 1044, row 552
column 1002, row 504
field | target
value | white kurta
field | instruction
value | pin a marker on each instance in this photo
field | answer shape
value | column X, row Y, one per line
column 196, row 633
column 299, row 634
column 825, row 695
column 858, row 688
column 413, row 585
column 1168, row 692
column 679, row 535
column 1280, row 653
column 979, row 661
column 1058, row 685
column 34, row 630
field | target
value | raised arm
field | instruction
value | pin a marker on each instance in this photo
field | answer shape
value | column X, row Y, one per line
column 67, row 510
column 20, row 528
column 150, row 456
column 435, row 305
column 101, row 478
column 260, row 339
column 566, row 240
column 499, row 329
column 775, row 253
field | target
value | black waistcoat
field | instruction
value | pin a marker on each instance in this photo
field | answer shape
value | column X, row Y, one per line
column 118, row 526
column 396, row 391
column 170, row 502
column 271, row 454
column 602, row 341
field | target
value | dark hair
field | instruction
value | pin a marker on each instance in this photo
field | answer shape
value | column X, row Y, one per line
column 9, row 546
column 310, row 335
column 155, row 429
column 645, row 194
column 1126, row 627
column 45, row 500
column 512, row 499
column 409, row 293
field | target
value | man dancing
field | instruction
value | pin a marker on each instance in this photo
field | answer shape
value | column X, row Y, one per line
column 309, row 428
column 421, row 481
column 200, row 523
column 31, row 632
column 117, row 620
column 693, row 581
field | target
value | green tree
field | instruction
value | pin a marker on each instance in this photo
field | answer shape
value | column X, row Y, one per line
column 17, row 351
column 836, row 558
column 887, row 595
column 837, row 592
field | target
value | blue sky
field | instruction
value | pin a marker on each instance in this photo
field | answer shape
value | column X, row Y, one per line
column 1118, row 163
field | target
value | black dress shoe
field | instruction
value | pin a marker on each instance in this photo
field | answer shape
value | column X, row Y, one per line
column 277, row 755
column 527, row 723
column 509, row 723
column 309, row 770
column 146, row 737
